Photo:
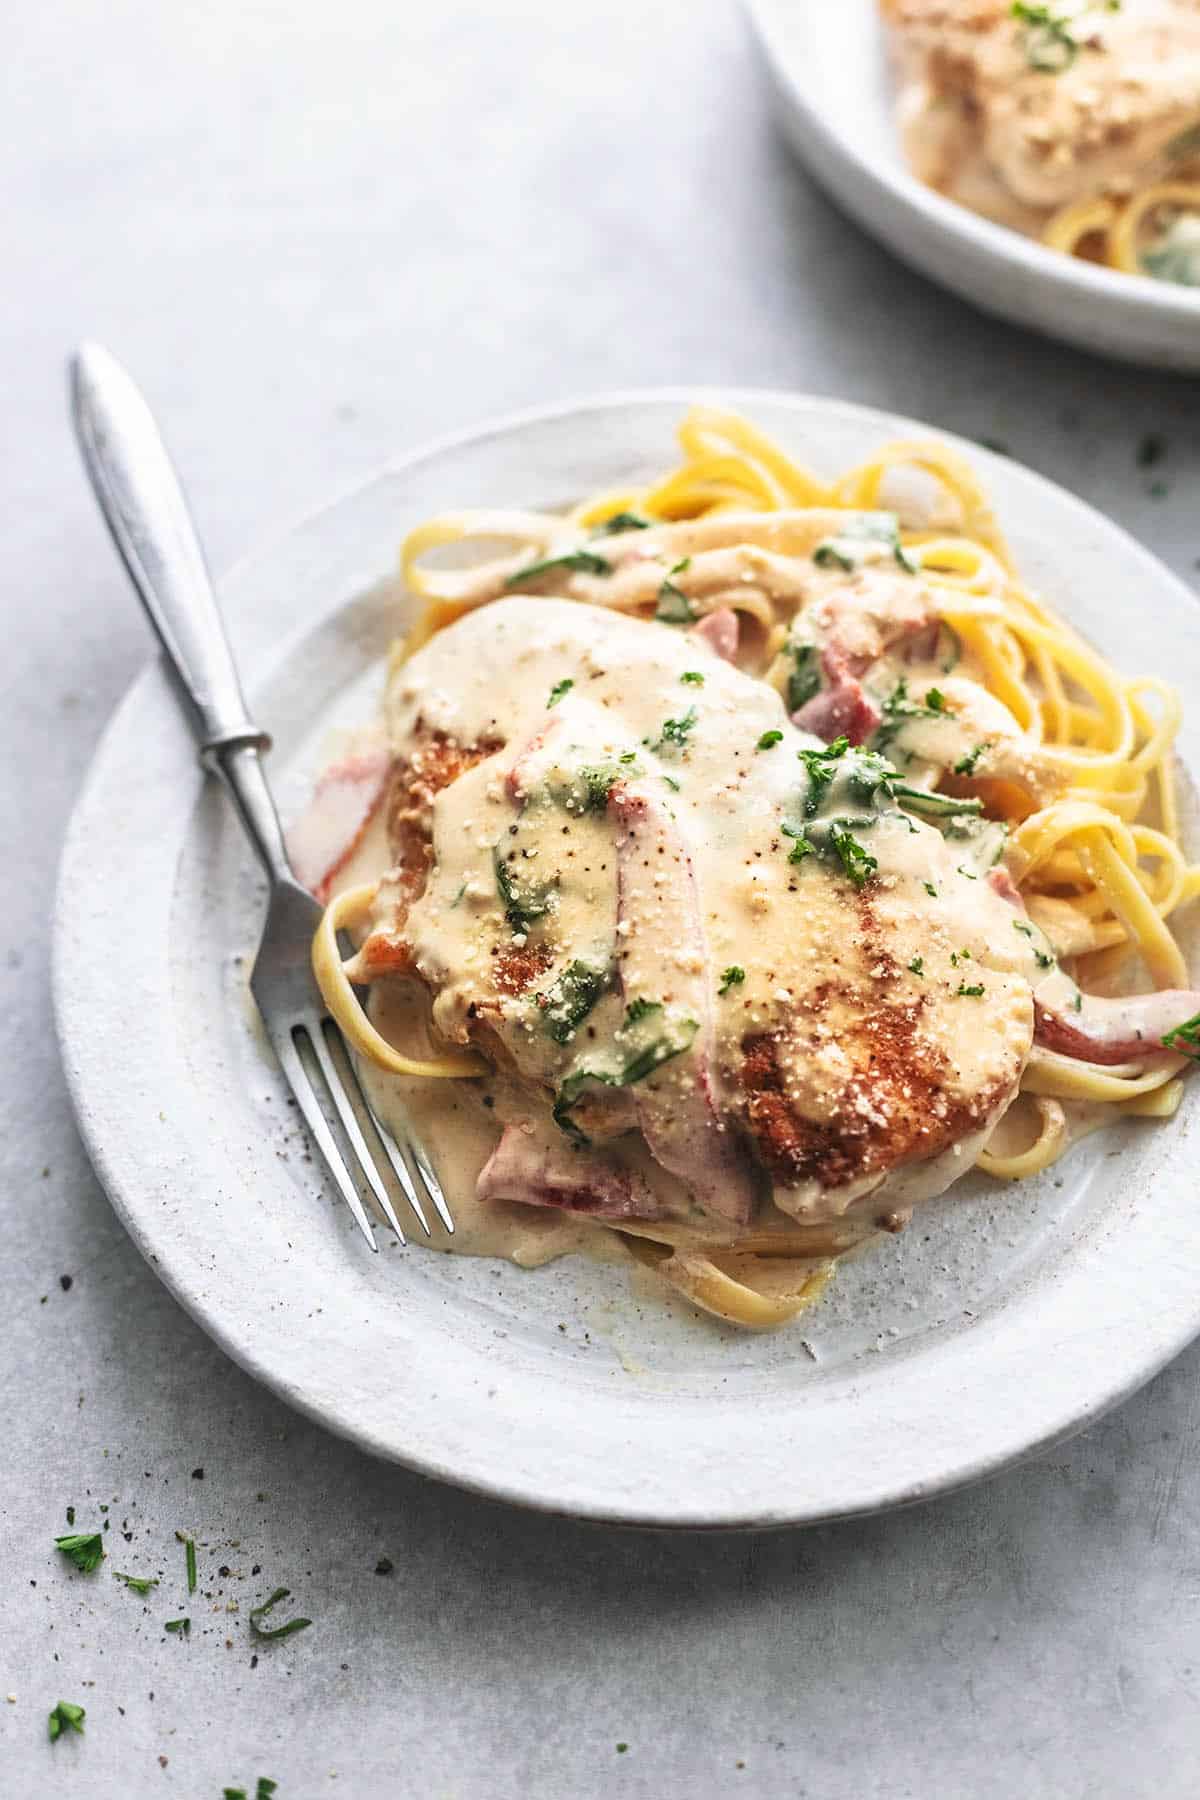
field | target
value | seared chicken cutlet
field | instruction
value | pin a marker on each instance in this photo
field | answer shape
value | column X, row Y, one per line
column 665, row 910
column 1028, row 113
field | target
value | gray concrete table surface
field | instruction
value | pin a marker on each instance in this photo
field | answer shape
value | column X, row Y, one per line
column 320, row 235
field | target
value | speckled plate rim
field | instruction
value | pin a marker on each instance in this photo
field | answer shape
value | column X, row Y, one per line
column 1052, row 1358
column 1130, row 317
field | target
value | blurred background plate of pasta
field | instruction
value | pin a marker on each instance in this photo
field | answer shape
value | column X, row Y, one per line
column 838, row 102
column 1015, row 1311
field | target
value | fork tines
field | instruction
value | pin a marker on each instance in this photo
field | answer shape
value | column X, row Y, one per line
column 316, row 1064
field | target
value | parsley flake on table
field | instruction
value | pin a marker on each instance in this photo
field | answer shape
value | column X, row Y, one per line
column 189, row 1554
column 180, row 1627
column 275, row 1631
column 85, row 1549
column 66, row 1716
column 141, row 1584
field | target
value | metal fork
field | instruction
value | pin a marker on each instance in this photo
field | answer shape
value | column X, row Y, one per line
column 145, row 510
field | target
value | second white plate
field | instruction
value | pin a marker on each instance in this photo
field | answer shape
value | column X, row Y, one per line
column 1005, row 1318
column 837, row 106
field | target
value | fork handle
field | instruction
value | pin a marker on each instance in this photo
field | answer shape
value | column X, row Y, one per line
column 147, row 514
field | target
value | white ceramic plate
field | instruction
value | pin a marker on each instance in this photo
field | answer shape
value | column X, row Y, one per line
column 1005, row 1318
column 837, row 105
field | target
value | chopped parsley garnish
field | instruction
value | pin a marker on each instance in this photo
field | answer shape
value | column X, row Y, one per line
column 869, row 776
column 967, row 765
column 642, row 1061
column 858, row 864
column 819, row 765
column 898, row 708
column 917, row 965
column 66, row 1716
column 598, row 781
column 838, row 551
column 189, row 1557
column 970, row 875
column 582, row 562
column 1175, row 254
column 1050, row 45
column 675, row 731
column 804, row 679
column 930, row 889
column 801, row 847
column 733, row 976
column 674, row 607
column 522, row 905
column 1043, row 960
column 641, row 1008
column 621, row 521
column 672, row 784
column 692, row 677
column 1184, row 1038
column 180, row 1627
column 558, row 690
column 935, row 700
column 567, row 1003
column 954, row 653
column 275, row 1631
column 141, row 1584
column 769, row 739
column 85, row 1549
column 970, row 993
column 263, row 1789
column 656, row 1054
column 70, row 1515
column 828, row 556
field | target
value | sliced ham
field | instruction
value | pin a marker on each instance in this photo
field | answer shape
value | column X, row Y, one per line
column 536, row 1166
column 329, row 830
column 1117, row 1030
column 662, row 957
column 1003, row 884
column 843, row 708
column 719, row 630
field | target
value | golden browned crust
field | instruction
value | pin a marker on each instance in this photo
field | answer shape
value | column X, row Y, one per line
column 515, row 969
column 413, row 784
column 906, row 1113
column 895, row 1102
column 435, row 762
